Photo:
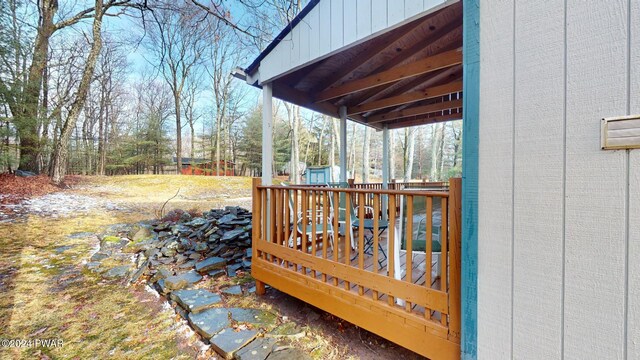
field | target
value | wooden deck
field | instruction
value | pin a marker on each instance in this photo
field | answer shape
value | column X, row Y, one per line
column 399, row 298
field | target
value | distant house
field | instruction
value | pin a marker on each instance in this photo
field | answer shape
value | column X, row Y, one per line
column 205, row 167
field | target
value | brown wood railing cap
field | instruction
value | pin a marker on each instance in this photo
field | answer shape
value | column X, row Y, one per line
column 365, row 191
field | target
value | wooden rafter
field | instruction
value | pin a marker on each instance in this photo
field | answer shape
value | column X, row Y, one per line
column 363, row 57
column 407, row 98
column 415, row 111
column 429, row 40
column 419, row 82
column 420, row 67
column 423, row 120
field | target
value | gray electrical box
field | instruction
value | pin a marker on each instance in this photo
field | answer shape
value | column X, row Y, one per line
column 622, row 132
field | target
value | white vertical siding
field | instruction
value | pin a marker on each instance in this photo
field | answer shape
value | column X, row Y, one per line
column 350, row 15
column 379, row 14
column 495, row 215
column 325, row 37
column 395, row 11
column 412, row 7
column 363, row 18
column 538, row 179
column 573, row 289
column 305, row 39
column 313, row 22
column 595, row 218
column 335, row 24
column 633, row 295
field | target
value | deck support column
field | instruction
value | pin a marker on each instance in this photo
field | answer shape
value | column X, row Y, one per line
column 385, row 169
column 343, row 144
column 267, row 152
column 267, row 134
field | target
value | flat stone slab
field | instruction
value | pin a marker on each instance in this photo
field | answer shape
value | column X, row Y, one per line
column 232, row 234
column 187, row 265
column 212, row 263
column 289, row 354
column 216, row 273
column 258, row 349
column 118, row 272
column 259, row 318
column 232, row 290
column 228, row 341
column 209, row 322
column 99, row 256
column 195, row 300
column 180, row 281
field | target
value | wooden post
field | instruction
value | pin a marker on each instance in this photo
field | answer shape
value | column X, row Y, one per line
column 455, row 252
column 351, row 183
column 267, row 134
column 255, row 231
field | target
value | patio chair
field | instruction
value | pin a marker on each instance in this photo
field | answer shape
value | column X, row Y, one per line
column 342, row 211
column 308, row 228
column 419, row 244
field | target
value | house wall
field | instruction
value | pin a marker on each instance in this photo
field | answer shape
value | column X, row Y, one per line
column 559, row 218
column 335, row 24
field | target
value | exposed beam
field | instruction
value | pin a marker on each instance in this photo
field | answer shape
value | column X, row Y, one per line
column 408, row 98
column 430, row 40
column 366, row 55
column 414, row 111
column 424, row 81
column 424, row 120
column 420, row 67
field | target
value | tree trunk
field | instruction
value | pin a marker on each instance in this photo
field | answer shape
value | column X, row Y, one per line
column 176, row 99
column 366, row 147
column 352, row 151
column 60, row 152
column 392, row 155
column 218, row 136
column 435, row 130
column 411, row 134
column 332, row 150
column 26, row 115
column 441, row 151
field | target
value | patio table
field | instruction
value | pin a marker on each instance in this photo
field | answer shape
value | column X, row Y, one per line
column 368, row 224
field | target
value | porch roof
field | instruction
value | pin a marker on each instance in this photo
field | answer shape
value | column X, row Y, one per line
column 406, row 75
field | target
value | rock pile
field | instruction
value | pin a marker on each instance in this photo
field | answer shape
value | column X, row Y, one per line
column 215, row 244
column 175, row 257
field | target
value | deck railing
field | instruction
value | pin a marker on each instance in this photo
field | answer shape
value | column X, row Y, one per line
column 396, row 185
column 307, row 245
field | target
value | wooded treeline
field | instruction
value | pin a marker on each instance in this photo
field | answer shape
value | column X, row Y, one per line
column 128, row 86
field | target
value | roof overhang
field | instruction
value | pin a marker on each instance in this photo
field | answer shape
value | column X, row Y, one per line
column 407, row 76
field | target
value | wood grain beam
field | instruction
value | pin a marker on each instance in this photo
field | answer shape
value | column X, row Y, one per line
column 415, row 111
column 397, row 124
column 429, row 80
column 420, row 67
column 366, row 55
column 407, row 98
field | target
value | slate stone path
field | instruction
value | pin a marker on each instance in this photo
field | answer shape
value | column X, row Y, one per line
column 179, row 258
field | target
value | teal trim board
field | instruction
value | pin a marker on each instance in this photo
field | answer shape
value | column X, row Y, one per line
column 471, row 108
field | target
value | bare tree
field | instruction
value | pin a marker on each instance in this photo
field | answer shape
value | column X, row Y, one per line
column 177, row 38
column 366, row 150
column 24, row 99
